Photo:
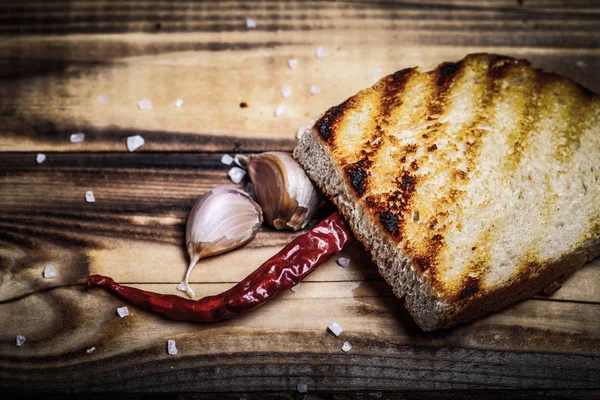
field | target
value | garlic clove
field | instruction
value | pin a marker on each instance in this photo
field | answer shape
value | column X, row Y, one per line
column 288, row 198
column 221, row 220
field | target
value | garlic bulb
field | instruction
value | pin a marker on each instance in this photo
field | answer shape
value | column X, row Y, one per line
column 288, row 198
column 222, row 219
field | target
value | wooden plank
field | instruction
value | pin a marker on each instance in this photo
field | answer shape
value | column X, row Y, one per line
column 203, row 54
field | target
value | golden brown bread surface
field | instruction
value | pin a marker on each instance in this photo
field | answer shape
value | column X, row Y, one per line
column 473, row 185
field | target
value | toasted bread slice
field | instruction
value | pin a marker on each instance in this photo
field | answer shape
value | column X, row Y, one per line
column 473, row 186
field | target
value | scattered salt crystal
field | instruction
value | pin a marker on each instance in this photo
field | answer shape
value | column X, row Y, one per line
column 292, row 63
column 250, row 23
column 320, row 52
column 346, row 347
column 376, row 72
column 343, row 262
column 226, row 159
column 123, row 312
column 171, row 347
column 50, row 271
column 134, row 143
column 40, row 158
column 295, row 288
column 314, row 90
column 302, row 388
column 145, row 104
column 90, row 350
column 103, row 99
column 300, row 132
column 236, row 174
column 280, row 110
column 178, row 103
column 20, row 340
column 335, row 328
column 89, row 197
column 286, row 91
column 77, row 137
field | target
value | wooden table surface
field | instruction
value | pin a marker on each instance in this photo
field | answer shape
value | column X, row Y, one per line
column 58, row 56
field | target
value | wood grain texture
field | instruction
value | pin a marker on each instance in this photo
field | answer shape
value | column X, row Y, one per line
column 59, row 56
column 134, row 232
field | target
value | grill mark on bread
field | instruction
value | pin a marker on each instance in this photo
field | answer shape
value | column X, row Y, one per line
column 390, row 89
column 328, row 124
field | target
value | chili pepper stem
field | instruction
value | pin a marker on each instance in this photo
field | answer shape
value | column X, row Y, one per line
column 193, row 261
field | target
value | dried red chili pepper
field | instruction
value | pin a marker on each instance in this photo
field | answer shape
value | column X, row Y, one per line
column 284, row 270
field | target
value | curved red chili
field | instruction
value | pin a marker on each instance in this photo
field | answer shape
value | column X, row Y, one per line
column 282, row 271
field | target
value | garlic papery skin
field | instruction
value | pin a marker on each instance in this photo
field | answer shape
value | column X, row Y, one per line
column 221, row 220
column 288, row 198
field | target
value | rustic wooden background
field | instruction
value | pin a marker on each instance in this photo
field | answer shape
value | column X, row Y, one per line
column 57, row 56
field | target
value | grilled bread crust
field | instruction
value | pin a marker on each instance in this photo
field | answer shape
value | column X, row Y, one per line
column 473, row 185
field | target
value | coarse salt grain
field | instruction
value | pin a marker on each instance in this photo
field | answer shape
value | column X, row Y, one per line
column 123, row 312
column 286, row 91
column 90, row 350
column 134, row 143
column 171, row 347
column 145, row 104
column 250, row 23
column 280, row 110
column 50, row 271
column 300, row 132
column 103, row 99
column 343, row 262
column 292, row 63
column 302, row 388
column 77, row 137
column 295, row 288
column 314, row 90
column 236, row 174
column 335, row 328
column 89, row 197
column 178, row 103
column 20, row 339
column 40, row 158
column 226, row 159
column 320, row 52
column 346, row 346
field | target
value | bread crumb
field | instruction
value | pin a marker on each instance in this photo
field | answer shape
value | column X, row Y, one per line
column 320, row 52
column 280, row 110
column 236, row 174
column 171, row 347
column 346, row 347
column 50, row 272
column 314, row 90
column 20, row 339
column 292, row 63
column 250, row 23
column 145, row 104
column 226, row 159
column 123, row 312
column 134, row 143
column 178, row 102
column 40, row 158
column 286, row 91
column 335, row 328
column 89, row 197
column 103, row 99
column 77, row 137
column 343, row 262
